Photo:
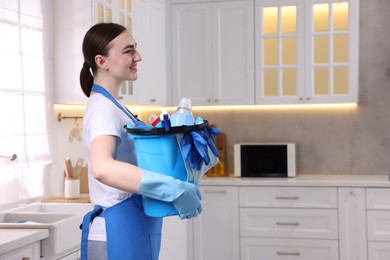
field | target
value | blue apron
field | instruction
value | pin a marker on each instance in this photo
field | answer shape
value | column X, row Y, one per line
column 130, row 233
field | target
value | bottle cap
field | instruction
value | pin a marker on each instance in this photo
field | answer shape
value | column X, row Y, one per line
column 185, row 103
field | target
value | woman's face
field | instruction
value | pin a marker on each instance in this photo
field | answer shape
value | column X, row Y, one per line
column 123, row 57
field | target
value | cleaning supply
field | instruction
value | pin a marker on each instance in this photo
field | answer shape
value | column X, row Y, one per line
column 183, row 114
column 153, row 119
column 165, row 120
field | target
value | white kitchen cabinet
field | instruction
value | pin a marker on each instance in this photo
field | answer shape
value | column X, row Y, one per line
column 216, row 230
column 306, row 51
column 28, row 252
column 352, row 222
column 378, row 223
column 212, row 48
column 145, row 19
column 72, row 19
column 149, row 31
column 298, row 222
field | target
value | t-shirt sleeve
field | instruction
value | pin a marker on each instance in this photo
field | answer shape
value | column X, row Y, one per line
column 103, row 119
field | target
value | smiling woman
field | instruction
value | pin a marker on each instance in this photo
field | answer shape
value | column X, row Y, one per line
column 24, row 99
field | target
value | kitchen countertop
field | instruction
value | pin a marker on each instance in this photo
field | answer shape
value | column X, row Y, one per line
column 11, row 239
column 309, row 180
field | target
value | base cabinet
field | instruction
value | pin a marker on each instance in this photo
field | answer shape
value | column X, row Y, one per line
column 216, row 234
column 290, row 222
column 378, row 223
column 28, row 252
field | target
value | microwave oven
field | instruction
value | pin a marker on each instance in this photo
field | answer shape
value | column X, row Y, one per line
column 265, row 159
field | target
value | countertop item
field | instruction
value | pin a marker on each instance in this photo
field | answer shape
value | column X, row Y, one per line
column 308, row 180
column 11, row 239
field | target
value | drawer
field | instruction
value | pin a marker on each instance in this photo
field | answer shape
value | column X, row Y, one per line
column 378, row 198
column 297, row 249
column 378, row 225
column 288, row 223
column 294, row 197
column 378, row 251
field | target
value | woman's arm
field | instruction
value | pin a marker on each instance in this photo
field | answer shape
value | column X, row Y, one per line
column 106, row 169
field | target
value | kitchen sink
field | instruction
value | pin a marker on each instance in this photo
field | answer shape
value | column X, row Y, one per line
column 61, row 219
column 54, row 207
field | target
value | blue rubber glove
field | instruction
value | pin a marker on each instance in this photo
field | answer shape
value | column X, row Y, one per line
column 207, row 134
column 194, row 149
column 185, row 196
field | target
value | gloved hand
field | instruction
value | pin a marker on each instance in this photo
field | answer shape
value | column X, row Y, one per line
column 185, row 196
column 194, row 149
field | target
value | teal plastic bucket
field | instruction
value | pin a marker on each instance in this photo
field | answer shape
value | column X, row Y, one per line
column 157, row 150
column 159, row 154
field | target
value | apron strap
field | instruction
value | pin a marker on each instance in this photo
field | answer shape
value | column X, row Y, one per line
column 87, row 220
column 104, row 92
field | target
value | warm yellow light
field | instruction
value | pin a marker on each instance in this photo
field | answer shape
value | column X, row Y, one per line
column 295, row 106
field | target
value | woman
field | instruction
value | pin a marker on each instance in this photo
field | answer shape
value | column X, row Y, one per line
column 118, row 228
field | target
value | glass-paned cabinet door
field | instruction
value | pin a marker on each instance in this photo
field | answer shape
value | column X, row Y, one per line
column 121, row 12
column 279, row 51
column 331, row 70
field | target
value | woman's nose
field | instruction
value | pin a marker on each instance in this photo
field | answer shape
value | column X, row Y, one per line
column 137, row 56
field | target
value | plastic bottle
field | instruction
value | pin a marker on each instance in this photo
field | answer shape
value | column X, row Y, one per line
column 183, row 114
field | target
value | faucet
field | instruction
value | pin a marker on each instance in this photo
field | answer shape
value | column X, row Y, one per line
column 8, row 155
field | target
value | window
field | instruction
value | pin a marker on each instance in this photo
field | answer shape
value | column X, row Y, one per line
column 24, row 102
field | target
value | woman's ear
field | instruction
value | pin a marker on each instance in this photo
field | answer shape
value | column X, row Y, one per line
column 101, row 61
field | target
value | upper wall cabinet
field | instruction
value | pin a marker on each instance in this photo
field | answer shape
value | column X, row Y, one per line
column 306, row 51
column 145, row 19
column 213, row 52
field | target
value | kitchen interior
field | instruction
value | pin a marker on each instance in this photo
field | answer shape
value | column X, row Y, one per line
column 336, row 207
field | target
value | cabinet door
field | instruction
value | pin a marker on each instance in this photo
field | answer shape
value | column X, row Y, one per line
column 149, row 32
column 216, row 230
column 233, row 53
column 331, row 43
column 352, row 223
column 279, row 51
column 72, row 20
column 191, row 53
column 212, row 53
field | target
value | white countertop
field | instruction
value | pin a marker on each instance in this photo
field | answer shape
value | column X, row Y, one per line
column 309, row 180
column 11, row 239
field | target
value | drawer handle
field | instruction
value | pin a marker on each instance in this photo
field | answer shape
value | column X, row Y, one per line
column 25, row 258
column 288, row 253
column 287, row 223
column 215, row 191
column 286, row 198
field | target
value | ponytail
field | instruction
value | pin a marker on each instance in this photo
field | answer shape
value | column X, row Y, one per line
column 86, row 79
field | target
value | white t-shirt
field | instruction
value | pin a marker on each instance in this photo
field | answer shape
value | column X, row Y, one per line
column 103, row 117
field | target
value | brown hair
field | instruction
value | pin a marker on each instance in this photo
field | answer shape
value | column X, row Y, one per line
column 96, row 42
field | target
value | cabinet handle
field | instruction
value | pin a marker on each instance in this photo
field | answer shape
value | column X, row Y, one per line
column 215, row 191
column 286, row 198
column 152, row 100
column 287, row 223
column 120, row 97
column 288, row 253
column 25, row 258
